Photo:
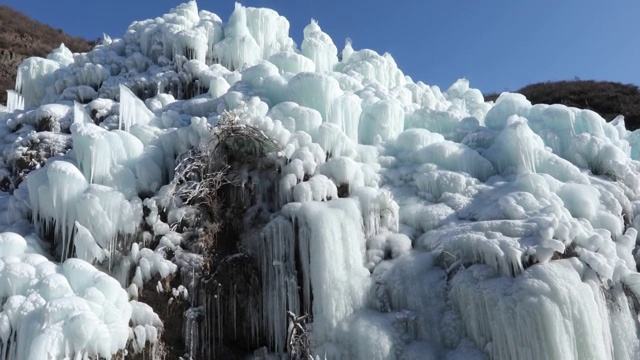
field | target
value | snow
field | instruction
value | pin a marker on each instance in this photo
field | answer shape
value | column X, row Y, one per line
column 408, row 221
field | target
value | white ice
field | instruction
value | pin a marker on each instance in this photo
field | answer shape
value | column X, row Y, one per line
column 410, row 222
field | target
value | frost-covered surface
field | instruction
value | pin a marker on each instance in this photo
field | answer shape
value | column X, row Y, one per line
column 410, row 222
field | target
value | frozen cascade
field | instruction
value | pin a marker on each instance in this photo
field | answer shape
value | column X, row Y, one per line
column 317, row 91
column 53, row 201
column 261, row 24
column 337, row 247
column 277, row 250
column 407, row 221
column 345, row 112
column 107, row 157
column 60, row 196
column 543, row 326
column 382, row 121
column 325, row 241
column 292, row 62
column 34, row 76
column 371, row 65
column 62, row 54
column 517, row 146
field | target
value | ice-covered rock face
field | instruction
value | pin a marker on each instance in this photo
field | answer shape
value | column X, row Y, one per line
column 409, row 222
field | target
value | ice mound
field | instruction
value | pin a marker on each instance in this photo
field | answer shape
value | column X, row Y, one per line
column 407, row 221
column 68, row 310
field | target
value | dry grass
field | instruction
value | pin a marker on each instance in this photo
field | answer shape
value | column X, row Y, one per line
column 15, row 26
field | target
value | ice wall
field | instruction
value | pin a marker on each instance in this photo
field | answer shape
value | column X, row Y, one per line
column 557, row 310
column 408, row 222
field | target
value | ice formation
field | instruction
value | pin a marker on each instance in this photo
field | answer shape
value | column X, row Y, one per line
column 58, row 311
column 408, row 222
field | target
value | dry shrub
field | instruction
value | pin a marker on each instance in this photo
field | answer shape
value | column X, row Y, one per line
column 203, row 172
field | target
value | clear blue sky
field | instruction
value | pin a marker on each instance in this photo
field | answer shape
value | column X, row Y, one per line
column 496, row 44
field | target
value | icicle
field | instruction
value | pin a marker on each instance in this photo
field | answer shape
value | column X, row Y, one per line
column 132, row 110
column 275, row 249
column 34, row 76
column 66, row 185
column 191, row 333
column 80, row 114
column 535, row 307
column 332, row 232
column 15, row 101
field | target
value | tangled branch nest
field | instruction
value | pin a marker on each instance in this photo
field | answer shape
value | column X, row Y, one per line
column 203, row 171
column 239, row 142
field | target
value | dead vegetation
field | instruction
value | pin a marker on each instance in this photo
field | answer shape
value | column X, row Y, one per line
column 215, row 182
column 205, row 176
column 298, row 344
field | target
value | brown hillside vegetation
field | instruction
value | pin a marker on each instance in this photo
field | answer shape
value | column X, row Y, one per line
column 609, row 99
column 22, row 37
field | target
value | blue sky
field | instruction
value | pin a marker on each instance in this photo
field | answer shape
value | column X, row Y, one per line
column 496, row 44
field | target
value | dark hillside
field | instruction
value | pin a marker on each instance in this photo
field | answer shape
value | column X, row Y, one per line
column 609, row 99
column 22, row 37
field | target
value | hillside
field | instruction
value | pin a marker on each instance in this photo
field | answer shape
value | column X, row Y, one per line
column 609, row 99
column 22, row 37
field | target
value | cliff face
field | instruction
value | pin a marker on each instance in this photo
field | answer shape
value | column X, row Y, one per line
column 22, row 37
